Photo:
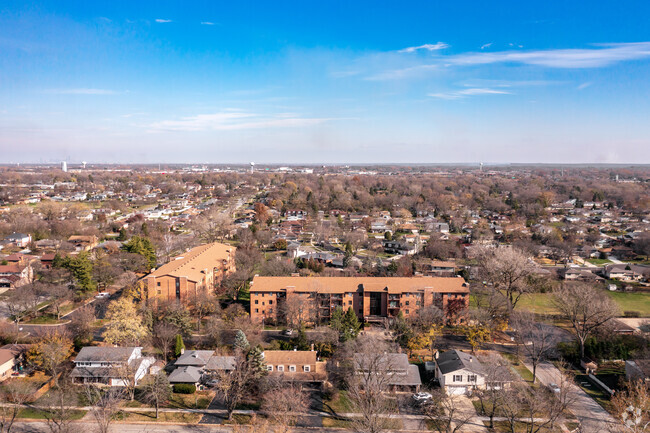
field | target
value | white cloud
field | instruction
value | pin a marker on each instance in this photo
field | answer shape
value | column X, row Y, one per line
column 81, row 91
column 601, row 55
column 401, row 73
column 476, row 91
column 428, row 47
column 584, row 85
column 231, row 120
column 207, row 23
column 160, row 20
column 488, row 45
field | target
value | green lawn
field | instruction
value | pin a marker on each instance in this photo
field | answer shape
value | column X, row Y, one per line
column 33, row 413
column 599, row 262
column 519, row 367
column 542, row 303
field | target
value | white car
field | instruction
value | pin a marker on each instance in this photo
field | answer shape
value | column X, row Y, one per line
column 422, row 397
column 554, row 387
column 102, row 295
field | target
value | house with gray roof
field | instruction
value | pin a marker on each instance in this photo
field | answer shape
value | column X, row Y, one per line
column 193, row 366
column 459, row 372
column 403, row 376
column 108, row 365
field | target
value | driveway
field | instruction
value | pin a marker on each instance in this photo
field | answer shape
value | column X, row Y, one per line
column 592, row 416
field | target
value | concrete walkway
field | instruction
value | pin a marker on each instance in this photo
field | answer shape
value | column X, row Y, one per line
column 591, row 415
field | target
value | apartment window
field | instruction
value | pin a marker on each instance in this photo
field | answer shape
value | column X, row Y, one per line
column 349, row 302
column 159, row 292
column 270, row 302
column 458, row 378
column 270, row 310
column 292, row 368
column 280, row 367
column 306, row 368
column 269, row 368
column 158, row 283
column 256, row 302
column 262, row 303
column 407, row 312
column 418, row 303
column 471, row 378
column 407, row 302
column 257, row 310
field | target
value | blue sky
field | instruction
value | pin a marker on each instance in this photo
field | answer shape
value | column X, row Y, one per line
column 325, row 82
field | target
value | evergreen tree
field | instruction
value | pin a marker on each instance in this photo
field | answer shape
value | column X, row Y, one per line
column 256, row 360
column 122, row 236
column 82, row 270
column 179, row 347
column 142, row 246
column 352, row 325
column 241, row 342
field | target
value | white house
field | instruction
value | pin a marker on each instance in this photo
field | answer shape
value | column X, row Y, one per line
column 459, row 372
column 108, row 365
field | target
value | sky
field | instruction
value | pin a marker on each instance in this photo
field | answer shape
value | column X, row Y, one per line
column 325, row 82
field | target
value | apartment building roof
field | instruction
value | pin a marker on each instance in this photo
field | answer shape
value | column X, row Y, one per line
column 352, row 284
column 195, row 261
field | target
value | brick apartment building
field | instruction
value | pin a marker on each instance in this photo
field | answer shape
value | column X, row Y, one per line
column 371, row 298
column 189, row 275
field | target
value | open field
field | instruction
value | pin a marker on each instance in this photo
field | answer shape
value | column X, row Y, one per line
column 542, row 303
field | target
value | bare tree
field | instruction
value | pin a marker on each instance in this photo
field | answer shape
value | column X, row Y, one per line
column 212, row 226
column 497, row 378
column 13, row 394
column 157, row 390
column 536, row 339
column 446, row 414
column 632, row 407
column 298, row 310
column 57, row 413
column 104, row 405
column 127, row 373
column 164, row 335
column 21, row 303
column 233, row 385
column 508, row 271
column 370, row 379
column 282, row 403
column 586, row 308
column 81, row 325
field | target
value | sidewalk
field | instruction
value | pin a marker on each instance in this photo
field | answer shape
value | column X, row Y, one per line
column 592, row 416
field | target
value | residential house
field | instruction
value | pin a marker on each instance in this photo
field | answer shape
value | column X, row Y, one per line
column 12, row 359
column 459, row 372
column 107, row 365
column 440, row 268
column 193, row 366
column 21, row 240
column 403, row 376
column 83, row 243
column 295, row 365
column 637, row 369
column 14, row 275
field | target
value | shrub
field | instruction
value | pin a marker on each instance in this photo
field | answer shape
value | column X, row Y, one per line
column 184, row 388
column 631, row 314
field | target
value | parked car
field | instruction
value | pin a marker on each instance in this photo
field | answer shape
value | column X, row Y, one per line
column 554, row 388
column 422, row 397
column 287, row 332
column 102, row 295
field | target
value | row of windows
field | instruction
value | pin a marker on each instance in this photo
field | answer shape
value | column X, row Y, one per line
column 270, row 311
column 270, row 302
column 292, row 368
column 459, row 378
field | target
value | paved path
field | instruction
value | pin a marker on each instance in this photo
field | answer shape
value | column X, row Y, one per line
column 592, row 416
column 475, row 424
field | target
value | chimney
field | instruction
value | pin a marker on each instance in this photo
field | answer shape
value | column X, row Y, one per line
column 312, row 347
column 182, row 351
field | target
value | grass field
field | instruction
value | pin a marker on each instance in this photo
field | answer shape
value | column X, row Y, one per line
column 542, row 303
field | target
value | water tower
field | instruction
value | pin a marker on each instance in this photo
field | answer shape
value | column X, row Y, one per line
column 83, row 164
column 64, row 166
column 252, row 167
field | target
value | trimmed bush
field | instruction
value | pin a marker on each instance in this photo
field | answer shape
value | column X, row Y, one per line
column 184, row 388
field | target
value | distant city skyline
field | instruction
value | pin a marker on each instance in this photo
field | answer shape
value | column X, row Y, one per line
column 334, row 82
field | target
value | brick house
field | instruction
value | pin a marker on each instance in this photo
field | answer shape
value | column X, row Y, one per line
column 294, row 365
